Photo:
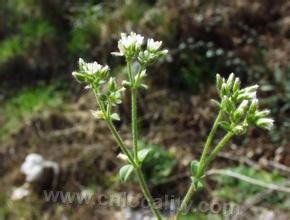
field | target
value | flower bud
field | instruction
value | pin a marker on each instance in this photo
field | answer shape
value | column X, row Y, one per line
column 236, row 85
column 219, row 82
column 98, row 114
column 240, row 129
column 230, row 82
column 262, row 114
column 253, row 106
column 266, row 123
column 79, row 76
column 112, row 84
column 242, row 107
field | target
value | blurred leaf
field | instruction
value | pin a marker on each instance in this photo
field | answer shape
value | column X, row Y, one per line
column 125, row 172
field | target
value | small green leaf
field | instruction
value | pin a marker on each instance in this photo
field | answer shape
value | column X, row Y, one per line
column 125, row 172
column 198, row 183
column 142, row 154
column 194, row 167
column 79, row 76
column 225, row 125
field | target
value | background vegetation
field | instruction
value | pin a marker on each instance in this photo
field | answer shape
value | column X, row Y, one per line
column 44, row 111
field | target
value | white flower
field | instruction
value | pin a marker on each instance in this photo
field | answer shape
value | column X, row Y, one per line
column 266, row 123
column 92, row 68
column 153, row 45
column 129, row 44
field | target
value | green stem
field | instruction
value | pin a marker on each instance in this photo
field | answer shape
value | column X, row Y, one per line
column 112, row 128
column 207, row 145
column 120, row 142
column 134, row 123
column 130, row 72
column 147, row 194
column 186, row 200
column 202, row 164
column 218, row 147
column 133, row 159
column 192, row 187
column 137, row 169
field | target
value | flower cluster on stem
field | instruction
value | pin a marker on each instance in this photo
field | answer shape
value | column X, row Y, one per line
column 238, row 110
column 109, row 94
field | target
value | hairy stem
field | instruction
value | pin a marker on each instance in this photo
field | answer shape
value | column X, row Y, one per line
column 133, row 159
column 134, row 125
column 147, row 193
column 186, row 200
column 202, row 164
column 121, row 143
column 138, row 171
column 218, row 147
column 207, row 145
column 192, row 187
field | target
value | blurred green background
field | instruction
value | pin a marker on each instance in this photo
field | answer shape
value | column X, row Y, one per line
column 43, row 110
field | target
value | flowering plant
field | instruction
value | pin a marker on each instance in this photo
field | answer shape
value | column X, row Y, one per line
column 238, row 109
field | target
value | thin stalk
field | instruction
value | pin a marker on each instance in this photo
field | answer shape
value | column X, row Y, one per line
column 192, row 187
column 133, row 159
column 138, row 171
column 134, row 125
column 218, row 147
column 112, row 128
column 120, row 142
column 186, row 200
column 202, row 164
column 207, row 145
column 130, row 72
column 147, row 193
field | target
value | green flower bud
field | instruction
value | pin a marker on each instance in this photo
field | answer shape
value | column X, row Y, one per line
column 266, row 123
column 236, row 86
column 219, row 82
column 230, row 82
column 79, row 76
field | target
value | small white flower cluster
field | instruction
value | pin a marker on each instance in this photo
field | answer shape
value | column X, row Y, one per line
column 130, row 46
column 96, row 76
column 240, row 105
column 91, row 72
